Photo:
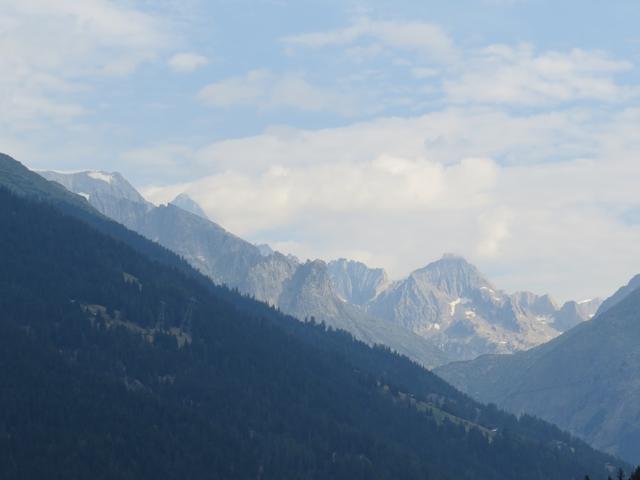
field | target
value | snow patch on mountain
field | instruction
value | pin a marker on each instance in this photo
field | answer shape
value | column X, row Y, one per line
column 102, row 176
column 453, row 305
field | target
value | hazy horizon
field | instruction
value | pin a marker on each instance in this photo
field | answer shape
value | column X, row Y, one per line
column 385, row 132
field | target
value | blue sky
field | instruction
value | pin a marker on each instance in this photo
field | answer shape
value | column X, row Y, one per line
column 390, row 132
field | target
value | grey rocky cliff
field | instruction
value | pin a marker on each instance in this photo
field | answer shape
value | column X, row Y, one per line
column 585, row 381
column 222, row 256
column 266, row 279
column 108, row 192
column 309, row 293
column 185, row 202
column 355, row 282
column 573, row 313
column 451, row 303
column 541, row 305
column 265, row 249
column 620, row 294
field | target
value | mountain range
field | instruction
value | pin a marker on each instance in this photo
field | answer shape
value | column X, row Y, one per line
column 302, row 289
column 585, row 381
column 122, row 361
column 442, row 312
column 451, row 303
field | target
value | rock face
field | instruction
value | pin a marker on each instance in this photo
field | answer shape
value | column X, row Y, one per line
column 109, row 193
column 303, row 291
column 185, row 202
column 356, row 283
column 265, row 249
column 451, row 303
column 207, row 246
column 586, row 380
column 572, row 313
column 621, row 294
column 310, row 293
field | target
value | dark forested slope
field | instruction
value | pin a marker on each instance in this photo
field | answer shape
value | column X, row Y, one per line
column 118, row 366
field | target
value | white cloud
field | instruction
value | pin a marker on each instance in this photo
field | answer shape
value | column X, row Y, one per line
column 243, row 90
column 503, row 74
column 267, row 90
column 494, row 229
column 187, row 62
column 399, row 192
column 424, row 37
column 283, row 196
column 444, row 136
column 424, row 72
column 48, row 46
column 166, row 157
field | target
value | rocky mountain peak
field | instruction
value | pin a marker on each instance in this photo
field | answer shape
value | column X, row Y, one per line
column 309, row 290
column 542, row 305
column 315, row 271
column 186, row 203
column 355, row 282
column 265, row 249
column 92, row 183
column 108, row 192
column 621, row 294
column 453, row 275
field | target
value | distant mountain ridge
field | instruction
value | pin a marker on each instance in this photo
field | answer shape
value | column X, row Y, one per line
column 230, row 260
column 355, row 282
column 586, row 380
column 622, row 293
column 185, row 202
column 450, row 302
column 444, row 311
column 110, row 193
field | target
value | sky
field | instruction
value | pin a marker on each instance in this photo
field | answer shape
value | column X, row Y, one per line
column 389, row 132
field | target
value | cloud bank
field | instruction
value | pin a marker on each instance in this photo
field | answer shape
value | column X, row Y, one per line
column 187, row 62
column 399, row 192
column 48, row 48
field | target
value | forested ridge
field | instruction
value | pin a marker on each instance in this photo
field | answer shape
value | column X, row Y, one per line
column 119, row 366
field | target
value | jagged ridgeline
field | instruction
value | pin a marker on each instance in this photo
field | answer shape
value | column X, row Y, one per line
column 119, row 361
column 442, row 312
column 303, row 290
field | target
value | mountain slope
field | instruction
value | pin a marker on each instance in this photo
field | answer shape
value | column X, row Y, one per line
column 108, row 192
column 21, row 181
column 309, row 293
column 573, row 313
column 356, row 283
column 586, row 380
column 620, row 294
column 207, row 246
column 446, row 310
column 451, row 303
column 117, row 366
column 185, row 202
column 232, row 261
